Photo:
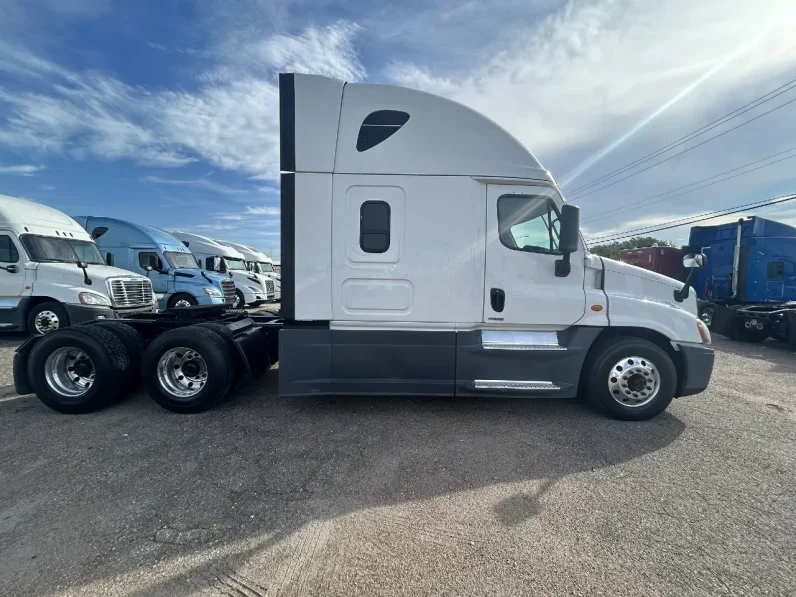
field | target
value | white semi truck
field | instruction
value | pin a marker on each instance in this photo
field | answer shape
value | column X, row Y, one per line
column 250, row 289
column 52, row 274
column 259, row 264
column 425, row 251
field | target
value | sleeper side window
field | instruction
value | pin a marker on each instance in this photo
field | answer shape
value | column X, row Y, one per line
column 776, row 270
column 378, row 127
column 374, row 227
column 8, row 250
column 98, row 231
column 528, row 223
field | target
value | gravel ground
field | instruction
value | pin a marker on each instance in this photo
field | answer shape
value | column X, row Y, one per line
column 269, row 496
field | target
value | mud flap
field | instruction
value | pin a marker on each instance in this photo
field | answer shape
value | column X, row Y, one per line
column 20, row 368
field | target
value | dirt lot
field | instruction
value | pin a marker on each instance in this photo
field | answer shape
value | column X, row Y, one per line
column 268, row 496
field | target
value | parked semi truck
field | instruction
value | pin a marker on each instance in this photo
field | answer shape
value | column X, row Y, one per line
column 52, row 274
column 748, row 290
column 177, row 278
column 250, row 289
column 424, row 251
column 259, row 264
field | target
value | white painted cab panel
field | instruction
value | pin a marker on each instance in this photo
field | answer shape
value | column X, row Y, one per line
column 433, row 270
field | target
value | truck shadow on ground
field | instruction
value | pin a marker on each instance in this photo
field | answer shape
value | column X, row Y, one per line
column 134, row 485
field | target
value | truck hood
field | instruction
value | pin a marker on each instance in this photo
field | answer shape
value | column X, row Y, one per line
column 248, row 278
column 629, row 280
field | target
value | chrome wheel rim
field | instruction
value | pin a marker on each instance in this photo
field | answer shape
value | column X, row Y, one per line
column 634, row 381
column 182, row 303
column 69, row 372
column 46, row 322
column 182, row 372
column 238, row 301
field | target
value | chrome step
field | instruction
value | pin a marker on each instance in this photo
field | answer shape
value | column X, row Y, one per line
column 504, row 384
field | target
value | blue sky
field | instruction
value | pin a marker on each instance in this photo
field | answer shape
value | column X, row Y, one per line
column 165, row 112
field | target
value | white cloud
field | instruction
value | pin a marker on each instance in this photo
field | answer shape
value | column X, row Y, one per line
column 21, row 170
column 593, row 69
column 202, row 183
column 230, row 121
column 262, row 210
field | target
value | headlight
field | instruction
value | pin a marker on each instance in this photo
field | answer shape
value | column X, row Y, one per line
column 211, row 292
column 90, row 298
column 704, row 332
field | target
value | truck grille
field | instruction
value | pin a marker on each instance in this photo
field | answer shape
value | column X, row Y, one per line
column 228, row 287
column 131, row 293
column 269, row 286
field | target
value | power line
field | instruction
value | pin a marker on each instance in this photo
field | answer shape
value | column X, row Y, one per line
column 707, row 216
column 667, row 195
column 711, row 125
column 610, row 184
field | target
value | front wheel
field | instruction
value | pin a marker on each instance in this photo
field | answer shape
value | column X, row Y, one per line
column 46, row 318
column 240, row 301
column 178, row 301
column 631, row 379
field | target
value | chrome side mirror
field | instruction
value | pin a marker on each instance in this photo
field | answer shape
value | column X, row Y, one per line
column 692, row 261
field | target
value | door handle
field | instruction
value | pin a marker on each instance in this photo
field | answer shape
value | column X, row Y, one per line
column 11, row 269
column 498, row 299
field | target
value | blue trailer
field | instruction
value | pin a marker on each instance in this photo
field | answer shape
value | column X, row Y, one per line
column 748, row 289
column 177, row 279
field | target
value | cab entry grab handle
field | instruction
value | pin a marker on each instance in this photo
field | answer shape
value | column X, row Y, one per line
column 498, row 299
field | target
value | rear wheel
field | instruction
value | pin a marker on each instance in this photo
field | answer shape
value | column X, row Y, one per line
column 188, row 370
column 133, row 342
column 752, row 335
column 706, row 315
column 48, row 317
column 630, row 379
column 75, row 372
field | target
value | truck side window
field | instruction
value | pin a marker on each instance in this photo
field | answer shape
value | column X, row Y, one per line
column 379, row 126
column 374, row 226
column 8, row 250
column 210, row 264
column 149, row 259
column 528, row 223
column 776, row 270
column 98, row 231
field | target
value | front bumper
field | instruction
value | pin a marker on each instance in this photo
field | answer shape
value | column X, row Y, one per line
column 697, row 369
column 82, row 313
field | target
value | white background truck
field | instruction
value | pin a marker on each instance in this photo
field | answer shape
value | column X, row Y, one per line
column 213, row 256
column 259, row 264
column 425, row 251
column 42, row 286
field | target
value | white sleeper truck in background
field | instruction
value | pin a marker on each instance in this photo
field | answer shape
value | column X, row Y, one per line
column 426, row 251
column 43, row 287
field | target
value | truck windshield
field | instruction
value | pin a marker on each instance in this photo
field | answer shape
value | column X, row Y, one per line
column 179, row 260
column 61, row 250
column 234, row 263
column 265, row 266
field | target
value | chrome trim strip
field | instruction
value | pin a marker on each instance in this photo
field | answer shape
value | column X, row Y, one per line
column 504, row 384
column 516, row 340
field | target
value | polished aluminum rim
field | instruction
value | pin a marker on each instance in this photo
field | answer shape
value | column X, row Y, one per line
column 46, row 322
column 182, row 303
column 238, row 301
column 182, row 372
column 707, row 317
column 634, row 381
column 69, row 372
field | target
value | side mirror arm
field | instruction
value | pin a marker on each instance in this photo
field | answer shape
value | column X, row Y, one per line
column 680, row 294
column 563, row 266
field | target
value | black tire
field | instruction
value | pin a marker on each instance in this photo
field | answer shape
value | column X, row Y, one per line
column 181, row 296
column 603, row 360
column 217, row 358
column 57, row 309
column 110, row 365
column 240, row 300
column 706, row 315
column 226, row 335
column 133, row 342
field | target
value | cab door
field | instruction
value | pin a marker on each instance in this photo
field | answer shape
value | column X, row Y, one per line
column 521, row 253
column 15, row 279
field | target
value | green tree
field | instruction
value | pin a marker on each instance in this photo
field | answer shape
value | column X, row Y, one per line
column 611, row 250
